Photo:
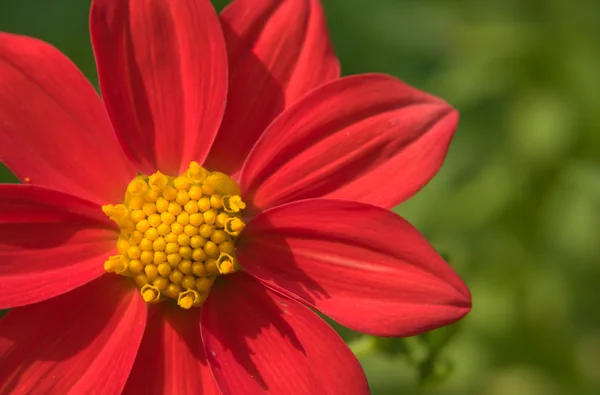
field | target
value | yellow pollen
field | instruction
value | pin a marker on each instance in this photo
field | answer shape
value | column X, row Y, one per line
column 234, row 226
column 150, row 293
column 196, row 173
column 225, row 263
column 137, row 187
column 157, row 181
column 188, row 298
column 233, row 204
column 116, row 264
column 117, row 213
column 178, row 234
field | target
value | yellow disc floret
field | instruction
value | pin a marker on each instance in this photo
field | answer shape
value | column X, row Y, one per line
column 177, row 234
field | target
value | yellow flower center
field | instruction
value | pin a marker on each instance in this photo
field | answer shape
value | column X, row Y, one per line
column 177, row 234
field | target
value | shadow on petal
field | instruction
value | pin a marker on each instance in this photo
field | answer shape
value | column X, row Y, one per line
column 361, row 265
column 275, row 245
column 258, row 340
column 246, row 117
column 50, row 243
column 80, row 341
column 263, row 314
column 171, row 359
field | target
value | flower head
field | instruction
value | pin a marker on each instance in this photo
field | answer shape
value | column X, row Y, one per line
column 175, row 236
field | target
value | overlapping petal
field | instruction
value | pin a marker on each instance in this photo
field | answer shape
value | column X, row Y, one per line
column 50, row 243
column 54, row 130
column 171, row 358
column 362, row 265
column 369, row 138
column 162, row 67
column 278, row 50
column 83, row 342
column 258, row 341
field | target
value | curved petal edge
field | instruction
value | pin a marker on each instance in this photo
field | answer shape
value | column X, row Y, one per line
column 361, row 265
column 369, row 138
column 258, row 341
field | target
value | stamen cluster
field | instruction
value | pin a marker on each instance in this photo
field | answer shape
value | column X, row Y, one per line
column 177, row 234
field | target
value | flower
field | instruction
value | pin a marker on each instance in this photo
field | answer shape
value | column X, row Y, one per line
column 299, row 170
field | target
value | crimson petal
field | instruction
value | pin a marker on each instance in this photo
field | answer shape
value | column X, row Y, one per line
column 83, row 342
column 369, row 138
column 278, row 50
column 171, row 358
column 50, row 243
column 162, row 67
column 258, row 341
column 54, row 130
column 362, row 265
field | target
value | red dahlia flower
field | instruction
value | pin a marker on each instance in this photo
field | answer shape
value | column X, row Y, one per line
column 299, row 169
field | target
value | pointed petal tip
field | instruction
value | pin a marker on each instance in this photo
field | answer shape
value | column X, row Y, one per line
column 278, row 52
column 382, row 278
column 54, row 129
column 346, row 139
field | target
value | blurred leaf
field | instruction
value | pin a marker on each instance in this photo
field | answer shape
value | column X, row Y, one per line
column 424, row 352
column 435, row 370
column 6, row 176
column 540, row 126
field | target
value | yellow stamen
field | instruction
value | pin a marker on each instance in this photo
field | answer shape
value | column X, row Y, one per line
column 225, row 263
column 233, row 204
column 137, row 187
column 186, row 299
column 221, row 184
column 196, row 173
column 157, row 181
column 234, row 226
column 150, row 293
column 203, row 284
column 182, row 182
column 178, row 234
column 116, row 264
column 117, row 213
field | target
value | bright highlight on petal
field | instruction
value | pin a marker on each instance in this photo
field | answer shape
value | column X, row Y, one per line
column 369, row 138
column 360, row 265
column 177, row 234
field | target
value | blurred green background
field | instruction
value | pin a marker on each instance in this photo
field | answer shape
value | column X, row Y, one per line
column 516, row 208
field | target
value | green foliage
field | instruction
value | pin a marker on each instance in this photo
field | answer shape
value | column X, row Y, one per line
column 517, row 204
column 6, row 176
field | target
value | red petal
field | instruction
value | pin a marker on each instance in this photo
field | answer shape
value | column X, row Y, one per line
column 54, row 130
column 50, row 243
column 278, row 51
column 257, row 341
column 171, row 359
column 162, row 67
column 369, row 138
column 362, row 265
column 83, row 342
